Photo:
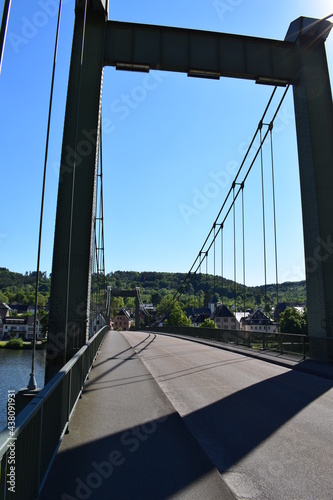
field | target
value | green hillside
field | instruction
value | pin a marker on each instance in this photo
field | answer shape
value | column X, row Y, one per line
column 154, row 286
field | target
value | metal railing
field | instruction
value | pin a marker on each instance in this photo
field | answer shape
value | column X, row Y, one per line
column 30, row 442
column 282, row 343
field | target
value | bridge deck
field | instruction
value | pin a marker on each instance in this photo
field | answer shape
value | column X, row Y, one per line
column 126, row 440
column 266, row 429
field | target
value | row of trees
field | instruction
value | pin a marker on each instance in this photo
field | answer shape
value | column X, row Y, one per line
column 157, row 288
column 16, row 287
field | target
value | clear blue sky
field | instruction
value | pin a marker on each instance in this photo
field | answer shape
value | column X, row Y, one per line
column 164, row 149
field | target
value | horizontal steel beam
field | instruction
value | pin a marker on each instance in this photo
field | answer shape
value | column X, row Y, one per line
column 124, row 293
column 141, row 47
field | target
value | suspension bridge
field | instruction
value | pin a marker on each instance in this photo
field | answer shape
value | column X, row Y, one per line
column 125, row 423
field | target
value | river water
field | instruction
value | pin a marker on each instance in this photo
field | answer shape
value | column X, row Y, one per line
column 15, row 369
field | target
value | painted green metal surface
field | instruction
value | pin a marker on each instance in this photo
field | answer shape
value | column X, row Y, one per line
column 68, row 324
column 198, row 53
column 314, row 125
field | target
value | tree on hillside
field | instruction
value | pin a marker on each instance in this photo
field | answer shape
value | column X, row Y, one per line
column 191, row 301
column 116, row 304
column 208, row 323
column 3, row 298
column 177, row 317
column 292, row 321
column 164, row 305
column 156, row 298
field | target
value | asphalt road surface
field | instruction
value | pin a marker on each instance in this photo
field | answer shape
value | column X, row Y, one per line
column 267, row 429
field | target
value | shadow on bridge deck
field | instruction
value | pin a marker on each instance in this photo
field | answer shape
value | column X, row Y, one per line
column 126, row 441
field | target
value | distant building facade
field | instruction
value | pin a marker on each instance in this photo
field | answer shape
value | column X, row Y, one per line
column 20, row 328
column 122, row 321
column 225, row 319
column 258, row 321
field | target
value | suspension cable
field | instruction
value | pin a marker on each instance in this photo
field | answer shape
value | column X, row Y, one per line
column 99, row 227
column 222, row 269
column 32, row 382
column 243, row 231
column 234, row 227
column 95, row 271
column 236, row 177
column 206, row 275
column 3, row 28
column 275, row 231
column 100, row 214
column 101, row 206
column 142, row 304
column 263, row 215
column 214, row 257
column 193, row 270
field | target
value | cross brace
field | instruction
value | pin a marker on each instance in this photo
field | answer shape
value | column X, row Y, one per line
column 142, row 47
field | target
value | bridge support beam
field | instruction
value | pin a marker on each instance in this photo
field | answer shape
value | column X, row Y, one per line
column 314, row 124
column 72, row 254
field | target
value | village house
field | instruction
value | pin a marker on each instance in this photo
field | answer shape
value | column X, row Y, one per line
column 258, row 321
column 4, row 313
column 20, row 328
column 122, row 321
column 18, row 308
column 225, row 319
column 198, row 315
column 4, row 310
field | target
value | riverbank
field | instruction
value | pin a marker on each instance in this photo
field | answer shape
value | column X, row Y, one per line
column 26, row 346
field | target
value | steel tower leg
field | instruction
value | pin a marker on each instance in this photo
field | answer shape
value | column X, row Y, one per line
column 314, row 123
column 68, row 325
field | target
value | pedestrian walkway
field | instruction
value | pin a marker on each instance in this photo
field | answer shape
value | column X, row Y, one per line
column 126, row 441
